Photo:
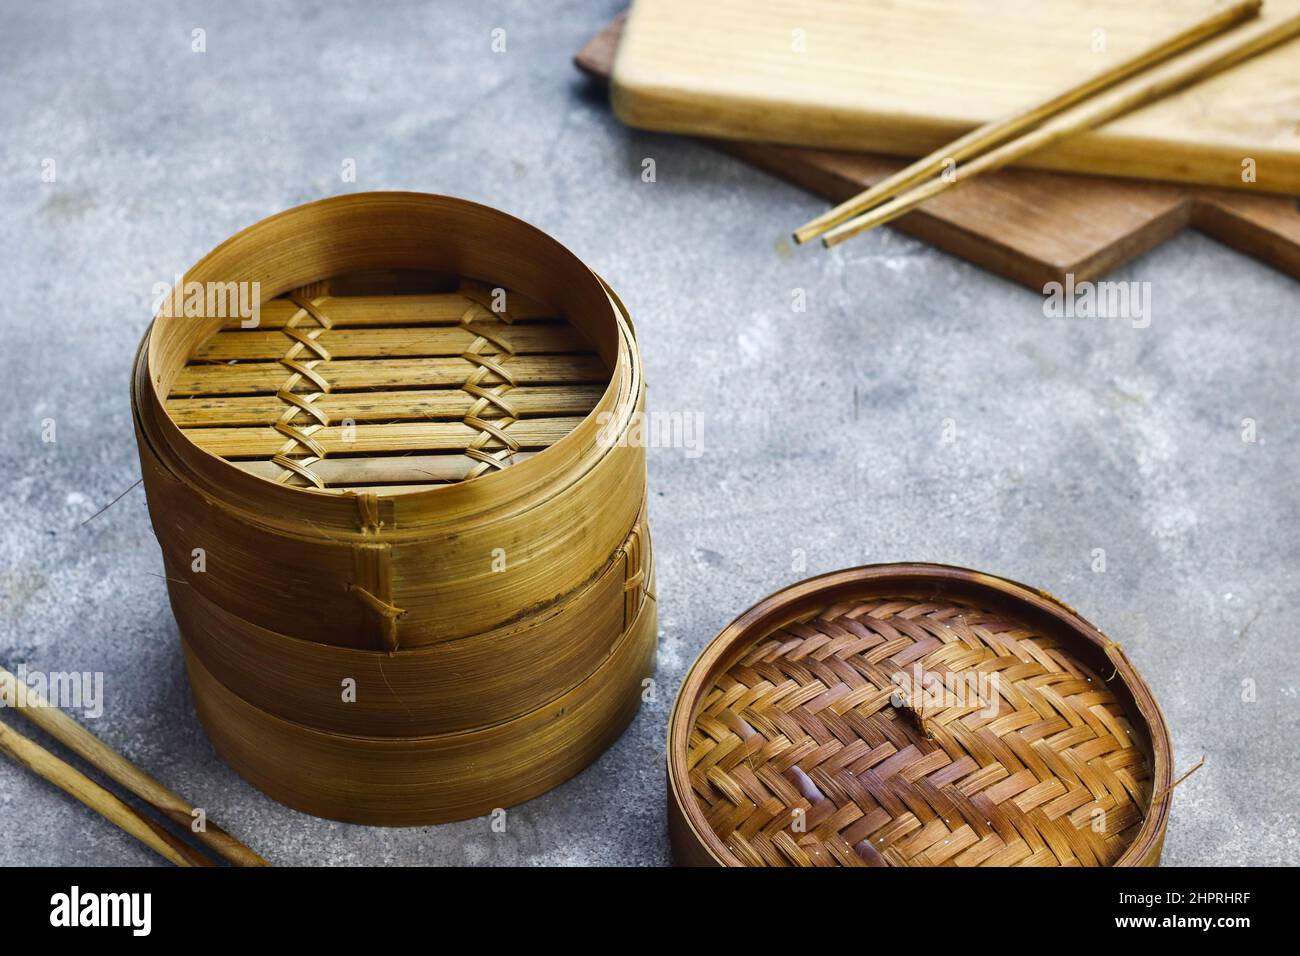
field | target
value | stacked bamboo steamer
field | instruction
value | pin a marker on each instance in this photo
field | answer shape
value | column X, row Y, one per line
column 403, row 523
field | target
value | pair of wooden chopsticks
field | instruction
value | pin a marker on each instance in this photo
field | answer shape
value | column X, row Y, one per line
column 1095, row 101
column 95, row 752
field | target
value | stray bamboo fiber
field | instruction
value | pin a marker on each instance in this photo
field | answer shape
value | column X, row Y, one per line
column 402, row 511
column 95, row 752
column 800, row 736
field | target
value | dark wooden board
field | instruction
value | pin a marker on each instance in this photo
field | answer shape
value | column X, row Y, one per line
column 1028, row 226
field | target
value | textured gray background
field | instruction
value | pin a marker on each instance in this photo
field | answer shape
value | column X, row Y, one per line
column 822, row 430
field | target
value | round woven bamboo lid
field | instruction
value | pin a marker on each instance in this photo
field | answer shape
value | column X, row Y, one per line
column 916, row 715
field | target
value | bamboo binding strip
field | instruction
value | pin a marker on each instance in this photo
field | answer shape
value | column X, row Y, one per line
column 792, row 744
column 410, row 475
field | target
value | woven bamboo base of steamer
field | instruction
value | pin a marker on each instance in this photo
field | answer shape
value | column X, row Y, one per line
column 785, row 747
column 395, row 482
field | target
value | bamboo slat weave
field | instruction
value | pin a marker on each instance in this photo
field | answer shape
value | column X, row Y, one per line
column 1008, row 741
column 366, row 423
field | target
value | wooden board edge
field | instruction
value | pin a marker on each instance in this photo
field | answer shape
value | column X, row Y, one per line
column 1258, row 226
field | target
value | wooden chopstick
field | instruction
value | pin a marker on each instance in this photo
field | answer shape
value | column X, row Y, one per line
column 1197, row 64
column 1000, row 130
column 72, row 781
column 99, row 755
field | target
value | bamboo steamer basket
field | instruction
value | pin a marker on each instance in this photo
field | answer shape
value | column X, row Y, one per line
column 791, row 743
column 434, row 689
column 379, row 558
column 410, row 781
column 413, row 473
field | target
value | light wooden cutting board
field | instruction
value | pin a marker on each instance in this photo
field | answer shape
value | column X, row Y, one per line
column 906, row 76
column 1031, row 227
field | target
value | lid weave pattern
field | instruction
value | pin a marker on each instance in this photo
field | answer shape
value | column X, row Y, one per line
column 906, row 731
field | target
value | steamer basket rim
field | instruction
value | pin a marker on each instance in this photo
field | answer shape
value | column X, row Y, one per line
column 625, row 377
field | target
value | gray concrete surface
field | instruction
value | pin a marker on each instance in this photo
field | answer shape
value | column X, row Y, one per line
column 823, row 431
